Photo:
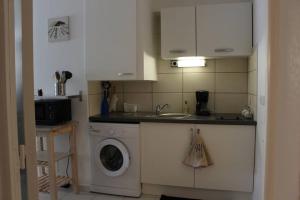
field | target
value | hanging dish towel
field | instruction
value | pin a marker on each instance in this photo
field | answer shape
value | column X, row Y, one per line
column 198, row 156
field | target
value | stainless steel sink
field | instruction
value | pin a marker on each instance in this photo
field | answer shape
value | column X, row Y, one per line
column 174, row 115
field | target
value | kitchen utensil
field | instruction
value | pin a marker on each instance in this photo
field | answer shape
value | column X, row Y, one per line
column 63, row 77
column 60, row 89
column 67, row 75
column 57, row 76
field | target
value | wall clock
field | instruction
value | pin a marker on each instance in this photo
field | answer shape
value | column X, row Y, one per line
column 58, row 29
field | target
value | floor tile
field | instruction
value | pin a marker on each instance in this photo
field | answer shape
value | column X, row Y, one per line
column 107, row 197
column 81, row 196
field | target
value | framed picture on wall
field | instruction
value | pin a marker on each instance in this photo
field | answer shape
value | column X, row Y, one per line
column 58, row 29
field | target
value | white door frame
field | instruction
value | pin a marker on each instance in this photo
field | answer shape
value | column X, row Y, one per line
column 9, row 150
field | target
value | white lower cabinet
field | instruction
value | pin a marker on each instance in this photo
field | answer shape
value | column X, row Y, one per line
column 232, row 151
column 164, row 147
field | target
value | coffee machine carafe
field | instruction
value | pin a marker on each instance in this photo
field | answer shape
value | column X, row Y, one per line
column 202, row 100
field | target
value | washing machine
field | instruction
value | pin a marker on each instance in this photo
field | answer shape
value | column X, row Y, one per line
column 115, row 159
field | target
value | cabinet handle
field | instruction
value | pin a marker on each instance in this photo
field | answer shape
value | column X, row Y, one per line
column 178, row 51
column 125, row 74
column 224, row 50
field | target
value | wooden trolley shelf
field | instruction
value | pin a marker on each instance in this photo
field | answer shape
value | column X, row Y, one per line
column 44, row 156
column 49, row 181
column 44, row 184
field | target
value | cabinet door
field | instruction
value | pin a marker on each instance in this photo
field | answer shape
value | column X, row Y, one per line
column 164, row 147
column 111, row 44
column 178, row 32
column 224, row 29
column 232, row 151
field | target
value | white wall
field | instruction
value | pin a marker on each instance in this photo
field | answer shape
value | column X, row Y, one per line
column 67, row 55
column 261, row 45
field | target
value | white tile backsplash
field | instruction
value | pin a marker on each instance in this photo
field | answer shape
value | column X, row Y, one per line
column 168, row 83
column 232, row 82
column 94, row 104
column 94, row 87
column 230, row 103
column 226, row 79
column 174, row 101
column 143, row 100
column 137, row 87
column 232, row 65
column 252, row 82
column 198, row 81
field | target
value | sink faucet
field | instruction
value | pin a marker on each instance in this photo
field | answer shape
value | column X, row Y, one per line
column 159, row 108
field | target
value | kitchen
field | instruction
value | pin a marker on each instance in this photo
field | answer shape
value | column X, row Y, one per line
column 142, row 77
column 140, row 72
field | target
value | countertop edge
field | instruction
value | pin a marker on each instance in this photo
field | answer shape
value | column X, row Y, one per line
column 179, row 121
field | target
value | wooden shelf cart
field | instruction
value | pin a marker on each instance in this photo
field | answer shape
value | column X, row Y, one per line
column 49, row 182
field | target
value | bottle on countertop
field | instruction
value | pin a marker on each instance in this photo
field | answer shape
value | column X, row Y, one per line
column 186, row 108
column 113, row 101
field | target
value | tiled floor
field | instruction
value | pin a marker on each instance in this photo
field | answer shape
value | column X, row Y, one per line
column 66, row 195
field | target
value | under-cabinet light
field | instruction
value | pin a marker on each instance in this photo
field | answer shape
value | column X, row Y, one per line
column 191, row 62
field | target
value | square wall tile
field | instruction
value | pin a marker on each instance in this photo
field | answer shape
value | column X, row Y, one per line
column 198, row 81
column 168, row 83
column 174, row 100
column 117, row 86
column 164, row 67
column 253, row 62
column 232, row 82
column 94, row 104
column 210, row 67
column 232, row 65
column 252, row 103
column 81, row 196
column 191, row 101
column 107, row 197
column 137, row 87
column 230, row 103
column 120, row 103
column 252, row 82
column 143, row 100
column 94, row 87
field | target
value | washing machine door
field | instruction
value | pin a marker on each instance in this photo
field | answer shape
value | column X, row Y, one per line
column 112, row 157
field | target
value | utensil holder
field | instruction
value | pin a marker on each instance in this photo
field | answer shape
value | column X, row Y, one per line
column 60, row 89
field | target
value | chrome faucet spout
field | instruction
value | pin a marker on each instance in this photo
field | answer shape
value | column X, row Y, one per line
column 159, row 108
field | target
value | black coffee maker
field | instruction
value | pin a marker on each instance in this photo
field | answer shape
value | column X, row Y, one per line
column 201, row 106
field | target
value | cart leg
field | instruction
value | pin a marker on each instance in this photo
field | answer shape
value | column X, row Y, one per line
column 74, row 161
column 52, row 168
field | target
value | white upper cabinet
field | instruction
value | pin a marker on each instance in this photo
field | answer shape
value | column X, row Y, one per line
column 178, row 32
column 208, row 30
column 119, row 40
column 224, row 29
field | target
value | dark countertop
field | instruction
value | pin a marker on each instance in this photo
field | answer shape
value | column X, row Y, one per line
column 135, row 118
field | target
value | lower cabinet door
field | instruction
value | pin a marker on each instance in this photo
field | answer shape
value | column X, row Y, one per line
column 232, row 151
column 164, row 147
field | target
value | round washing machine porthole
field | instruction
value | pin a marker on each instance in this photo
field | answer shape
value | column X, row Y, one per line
column 112, row 157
